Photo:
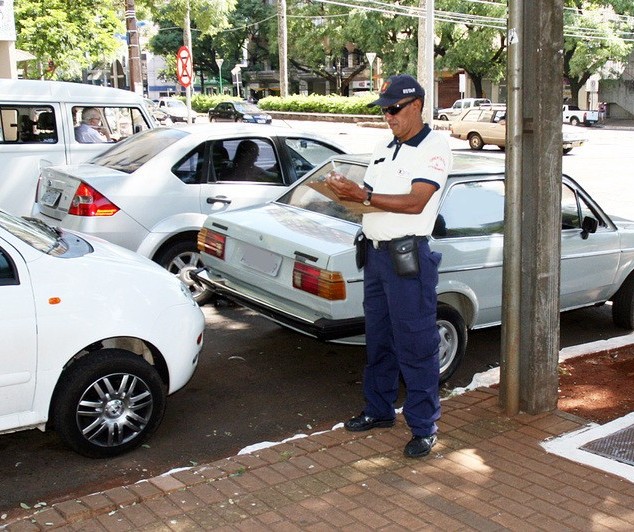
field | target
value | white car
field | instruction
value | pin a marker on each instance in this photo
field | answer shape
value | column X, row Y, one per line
column 94, row 338
column 175, row 109
column 293, row 259
column 153, row 193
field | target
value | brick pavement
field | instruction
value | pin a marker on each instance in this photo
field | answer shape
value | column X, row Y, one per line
column 487, row 472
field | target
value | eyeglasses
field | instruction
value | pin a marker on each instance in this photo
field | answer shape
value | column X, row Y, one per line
column 396, row 108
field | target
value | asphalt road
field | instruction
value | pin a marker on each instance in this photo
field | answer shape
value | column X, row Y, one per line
column 258, row 382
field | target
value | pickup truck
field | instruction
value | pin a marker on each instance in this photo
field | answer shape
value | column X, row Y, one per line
column 575, row 116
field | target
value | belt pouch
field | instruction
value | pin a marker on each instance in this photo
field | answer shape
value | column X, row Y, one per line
column 361, row 245
column 404, row 254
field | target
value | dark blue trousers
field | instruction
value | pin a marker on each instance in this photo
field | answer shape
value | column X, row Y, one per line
column 402, row 338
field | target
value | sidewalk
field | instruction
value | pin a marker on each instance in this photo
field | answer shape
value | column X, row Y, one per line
column 487, row 472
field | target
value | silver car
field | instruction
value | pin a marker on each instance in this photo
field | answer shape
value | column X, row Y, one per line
column 293, row 259
column 152, row 192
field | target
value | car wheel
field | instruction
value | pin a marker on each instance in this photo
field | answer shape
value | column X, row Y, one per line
column 475, row 141
column 108, row 403
column 567, row 150
column 443, row 117
column 182, row 259
column 453, row 340
column 574, row 121
column 623, row 304
column 238, row 119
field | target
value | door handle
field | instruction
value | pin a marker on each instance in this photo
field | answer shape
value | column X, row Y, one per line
column 217, row 199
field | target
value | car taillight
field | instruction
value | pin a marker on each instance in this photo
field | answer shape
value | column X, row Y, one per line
column 322, row 283
column 212, row 243
column 88, row 202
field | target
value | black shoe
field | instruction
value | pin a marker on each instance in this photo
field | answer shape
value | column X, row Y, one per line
column 419, row 446
column 363, row 422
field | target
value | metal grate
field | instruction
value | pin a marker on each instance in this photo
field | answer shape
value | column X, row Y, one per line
column 618, row 446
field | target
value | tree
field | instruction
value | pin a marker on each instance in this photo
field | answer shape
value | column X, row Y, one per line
column 593, row 36
column 67, row 37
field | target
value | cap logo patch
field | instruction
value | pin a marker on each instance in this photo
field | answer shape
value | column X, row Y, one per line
column 385, row 86
column 408, row 91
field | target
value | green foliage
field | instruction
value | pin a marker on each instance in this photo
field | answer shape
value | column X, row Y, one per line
column 201, row 103
column 67, row 36
column 333, row 104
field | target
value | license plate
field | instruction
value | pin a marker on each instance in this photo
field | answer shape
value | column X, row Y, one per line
column 261, row 121
column 50, row 197
column 260, row 260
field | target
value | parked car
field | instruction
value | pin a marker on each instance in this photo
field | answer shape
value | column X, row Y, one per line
column 487, row 125
column 175, row 109
column 574, row 116
column 160, row 117
column 293, row 259
column 459, row 107
column 152, row 195
column 239, row 112
column 94, row 337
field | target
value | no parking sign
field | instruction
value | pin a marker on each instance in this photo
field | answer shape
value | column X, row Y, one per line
column 184, row 66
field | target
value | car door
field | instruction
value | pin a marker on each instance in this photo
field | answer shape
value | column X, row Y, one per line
column 18, row 336
column 588, row 265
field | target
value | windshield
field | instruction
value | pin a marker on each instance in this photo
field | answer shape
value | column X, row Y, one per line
column 176, row 104
column 247, row 108
column 35, row 233
column 129, row 155
column 314, row 195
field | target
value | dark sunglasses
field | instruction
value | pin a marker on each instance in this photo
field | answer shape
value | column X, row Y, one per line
column 396, row 108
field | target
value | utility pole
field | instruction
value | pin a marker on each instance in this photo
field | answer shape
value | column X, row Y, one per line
column 425, row 67
column 282, row 37
column 532, row 232
column 187, row 38
column 134, row 52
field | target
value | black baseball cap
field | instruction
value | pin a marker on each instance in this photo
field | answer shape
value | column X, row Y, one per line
column 396, row 88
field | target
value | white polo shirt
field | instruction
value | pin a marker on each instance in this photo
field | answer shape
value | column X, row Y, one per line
column 393, row 168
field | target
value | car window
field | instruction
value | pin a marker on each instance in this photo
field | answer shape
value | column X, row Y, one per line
column 130, row 154
column 8, row 273
column 307, row 153
column 575, row 208
column 472, row 116
column 486, row 116
column 312, row 194
column 250, row 159
column 27, row 124
column 191, row 169
column 474, row 208
column 117, row 122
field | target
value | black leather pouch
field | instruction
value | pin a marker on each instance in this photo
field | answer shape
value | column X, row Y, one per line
column 361, row 245
column 404, row 254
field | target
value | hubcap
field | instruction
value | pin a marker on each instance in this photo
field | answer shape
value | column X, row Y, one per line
column 448, row 343
column 182, row 266
column 114, row 409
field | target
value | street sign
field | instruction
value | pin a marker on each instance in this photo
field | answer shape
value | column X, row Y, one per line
column 184, row 66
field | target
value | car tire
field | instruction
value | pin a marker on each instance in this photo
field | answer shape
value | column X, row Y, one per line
column 212, row 119
column 475, row 141
column 181, row 259
column 623, row 304
column 108, row 403
column 574, row 121
column 443, row 117
column 567, row 150
column 453, row 340
column 238, row 119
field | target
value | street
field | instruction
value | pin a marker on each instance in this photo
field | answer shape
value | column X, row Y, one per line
column 259, row 382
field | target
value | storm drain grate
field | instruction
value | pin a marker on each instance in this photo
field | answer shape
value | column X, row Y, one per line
column 617, row 446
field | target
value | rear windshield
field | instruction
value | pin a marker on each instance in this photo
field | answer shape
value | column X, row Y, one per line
column 129, row 155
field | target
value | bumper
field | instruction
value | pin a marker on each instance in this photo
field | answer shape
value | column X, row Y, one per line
column 322, row 329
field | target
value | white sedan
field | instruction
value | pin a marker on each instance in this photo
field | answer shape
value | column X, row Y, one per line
column 94, row 338
column 152, row 192
column 293, row 259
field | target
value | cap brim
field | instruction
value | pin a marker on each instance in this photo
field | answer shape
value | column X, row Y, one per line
column 384, row 101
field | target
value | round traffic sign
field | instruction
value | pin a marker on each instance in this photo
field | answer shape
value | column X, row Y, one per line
column 184, row 66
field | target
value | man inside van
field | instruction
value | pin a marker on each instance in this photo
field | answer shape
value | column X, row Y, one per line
column 90, row 130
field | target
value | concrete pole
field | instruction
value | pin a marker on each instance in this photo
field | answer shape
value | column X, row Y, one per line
column 282, row 37
column 134, row 52
column 537, row 169
column 425, row 63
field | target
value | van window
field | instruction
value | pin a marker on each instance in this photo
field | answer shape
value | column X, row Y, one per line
column 112, row 124
column 27, row 124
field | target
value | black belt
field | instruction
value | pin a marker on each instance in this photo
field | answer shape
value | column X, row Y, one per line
column 383, row 244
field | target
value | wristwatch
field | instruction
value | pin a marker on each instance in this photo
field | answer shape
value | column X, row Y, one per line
column 368, row 199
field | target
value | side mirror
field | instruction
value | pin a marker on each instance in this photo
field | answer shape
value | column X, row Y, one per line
column 588, row 225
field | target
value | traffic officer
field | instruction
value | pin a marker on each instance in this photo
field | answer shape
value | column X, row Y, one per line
column 403, row 185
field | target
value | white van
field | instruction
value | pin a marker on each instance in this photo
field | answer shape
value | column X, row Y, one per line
column 38, row 127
